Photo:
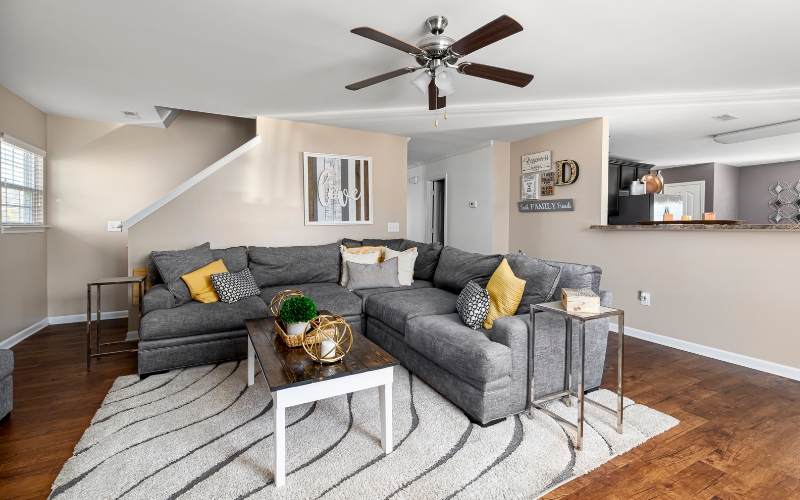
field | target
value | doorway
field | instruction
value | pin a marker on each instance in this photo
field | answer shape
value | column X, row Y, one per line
column 436, row 211
column 694, row 196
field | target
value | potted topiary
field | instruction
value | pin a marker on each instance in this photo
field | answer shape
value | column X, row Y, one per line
column 296, row 313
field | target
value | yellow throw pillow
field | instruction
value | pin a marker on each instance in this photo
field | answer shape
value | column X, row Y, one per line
column 199, row 282
column 365, row 250
column 505, row 292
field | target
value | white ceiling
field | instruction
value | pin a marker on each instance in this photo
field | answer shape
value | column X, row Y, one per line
column 658, row 69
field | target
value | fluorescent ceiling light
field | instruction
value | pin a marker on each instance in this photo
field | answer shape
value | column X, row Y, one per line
column 751, row 134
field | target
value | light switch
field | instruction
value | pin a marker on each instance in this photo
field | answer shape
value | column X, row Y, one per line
column 115, row 226
column 394, row 227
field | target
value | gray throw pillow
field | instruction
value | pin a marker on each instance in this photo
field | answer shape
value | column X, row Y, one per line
column 457, row 268
column 363, row 276
column 541, row 280
column 576, row 276
column 427, row 258
column 174, row 264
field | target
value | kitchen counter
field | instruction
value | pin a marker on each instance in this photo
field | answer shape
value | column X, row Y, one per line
column 700, row 227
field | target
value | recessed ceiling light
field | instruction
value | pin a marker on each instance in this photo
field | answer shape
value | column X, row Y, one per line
column 725, row 117
column 131, row 114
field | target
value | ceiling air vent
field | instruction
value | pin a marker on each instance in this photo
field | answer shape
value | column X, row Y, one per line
column 131, row 114
column 725, row 117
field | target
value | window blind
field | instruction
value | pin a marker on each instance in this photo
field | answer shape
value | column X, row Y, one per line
column 21, row 183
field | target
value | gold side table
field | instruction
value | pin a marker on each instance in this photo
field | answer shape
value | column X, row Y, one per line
column 124, row 280
column 581, row 318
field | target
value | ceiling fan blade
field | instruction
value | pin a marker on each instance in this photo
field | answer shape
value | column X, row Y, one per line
column 381, row 78
column 502, row 27
column 507, row 76
column 389, row 40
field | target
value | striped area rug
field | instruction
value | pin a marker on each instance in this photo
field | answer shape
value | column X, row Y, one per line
column 201, row 433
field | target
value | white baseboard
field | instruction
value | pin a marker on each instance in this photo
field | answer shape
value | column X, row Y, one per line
column 81, row 318
column 712, row 352
column 24, row 334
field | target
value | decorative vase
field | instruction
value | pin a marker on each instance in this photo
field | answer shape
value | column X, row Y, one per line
column 296, row 328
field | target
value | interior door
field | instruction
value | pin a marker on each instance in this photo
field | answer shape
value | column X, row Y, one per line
column 437, row 211
column 694, row 196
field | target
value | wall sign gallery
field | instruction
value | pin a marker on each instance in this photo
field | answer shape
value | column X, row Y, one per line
column 539, row 180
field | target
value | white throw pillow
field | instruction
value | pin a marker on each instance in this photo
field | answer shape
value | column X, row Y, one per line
column 358, row 258
column 405, row 264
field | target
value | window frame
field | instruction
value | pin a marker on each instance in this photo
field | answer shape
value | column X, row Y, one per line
column 36, row 227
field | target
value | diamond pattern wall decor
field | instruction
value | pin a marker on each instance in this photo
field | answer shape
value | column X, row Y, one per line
column 785, row 204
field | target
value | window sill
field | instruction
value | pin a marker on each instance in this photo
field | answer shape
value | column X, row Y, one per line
column 23, row 229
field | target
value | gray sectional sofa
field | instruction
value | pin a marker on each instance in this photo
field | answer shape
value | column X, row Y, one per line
column 484, row 372
column 6, row 383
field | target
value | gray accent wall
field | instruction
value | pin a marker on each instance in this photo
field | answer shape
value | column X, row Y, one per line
column 753, row 184
column 689, row 173
column 726, row 191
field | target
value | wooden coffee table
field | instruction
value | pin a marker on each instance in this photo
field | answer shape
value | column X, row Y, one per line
column 294, row 379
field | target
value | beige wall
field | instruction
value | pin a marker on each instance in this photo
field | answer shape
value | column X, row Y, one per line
column 257, row 199
column 501, row 171
column 23, row 257
column 105, row 171
column 717, row 289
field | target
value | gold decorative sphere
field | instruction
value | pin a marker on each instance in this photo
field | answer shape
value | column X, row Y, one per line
column 329, row 338
column 277, row 301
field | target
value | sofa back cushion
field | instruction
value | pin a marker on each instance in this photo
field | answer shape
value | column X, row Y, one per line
column 234, row 258
column 456, row 268
column 541, row 279
column 395, row 244
column 174, row 264
column 427, row 259
column 278, row 266
column 575, row 276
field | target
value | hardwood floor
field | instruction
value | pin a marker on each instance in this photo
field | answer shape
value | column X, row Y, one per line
column 739, row 435
column 54, row 401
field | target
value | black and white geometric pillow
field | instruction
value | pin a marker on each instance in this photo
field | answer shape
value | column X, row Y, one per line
column 473, row 305
column 234, row 286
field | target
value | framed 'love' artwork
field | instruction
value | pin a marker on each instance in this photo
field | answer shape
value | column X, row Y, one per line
column 338, row 189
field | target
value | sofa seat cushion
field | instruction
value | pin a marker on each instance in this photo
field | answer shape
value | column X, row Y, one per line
column 459, row 349
column 329, row 296
column 196, row 318
column 397, row 308
column 369, row 292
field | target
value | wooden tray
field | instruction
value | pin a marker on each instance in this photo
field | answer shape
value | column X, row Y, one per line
column 706, row 222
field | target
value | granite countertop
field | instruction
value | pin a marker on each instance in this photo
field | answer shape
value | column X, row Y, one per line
column 700, row 227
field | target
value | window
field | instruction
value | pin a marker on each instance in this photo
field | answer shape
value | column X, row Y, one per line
column 21, row 183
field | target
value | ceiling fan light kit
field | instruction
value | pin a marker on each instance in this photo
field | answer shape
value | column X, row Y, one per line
column 438, row 53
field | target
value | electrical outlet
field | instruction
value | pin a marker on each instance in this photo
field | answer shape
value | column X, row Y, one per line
column 394, row 227
column 115, row 226
column 473, row 204
column 644, row 298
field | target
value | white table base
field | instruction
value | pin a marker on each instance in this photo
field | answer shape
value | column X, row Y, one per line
column 293, row 396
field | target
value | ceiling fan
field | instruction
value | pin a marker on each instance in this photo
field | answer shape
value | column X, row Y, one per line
column 435, row 54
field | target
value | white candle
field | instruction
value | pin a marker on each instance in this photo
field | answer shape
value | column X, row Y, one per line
column 327, row 349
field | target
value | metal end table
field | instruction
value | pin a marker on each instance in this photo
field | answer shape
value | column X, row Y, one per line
column 124, row 280
column 566, row 394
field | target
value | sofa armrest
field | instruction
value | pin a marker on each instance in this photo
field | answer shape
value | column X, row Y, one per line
column 605, row 298
column 512, row 332
column 158, row 297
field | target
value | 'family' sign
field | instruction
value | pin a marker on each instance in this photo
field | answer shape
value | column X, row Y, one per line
column 565, row 205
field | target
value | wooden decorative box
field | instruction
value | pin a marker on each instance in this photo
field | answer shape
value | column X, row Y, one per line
column 580, row 300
